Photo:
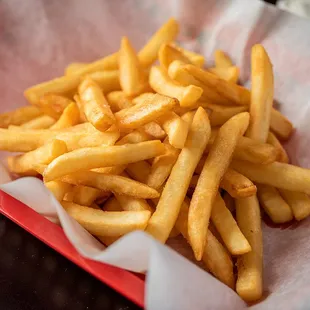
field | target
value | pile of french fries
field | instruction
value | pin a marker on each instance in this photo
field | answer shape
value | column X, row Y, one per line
column 171, row 148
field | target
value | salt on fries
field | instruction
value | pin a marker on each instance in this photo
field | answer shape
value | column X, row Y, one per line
column 126, row 144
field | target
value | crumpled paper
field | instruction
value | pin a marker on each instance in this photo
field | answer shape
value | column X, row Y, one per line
column 39, row 37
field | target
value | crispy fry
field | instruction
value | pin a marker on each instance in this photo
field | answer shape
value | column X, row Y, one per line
column 133, row 137
column 229, row 202
column 280, row 125
column 139, row 171
column 249, row 283
column 230, row 74
column 188, row 117
column 118, row 101
column 282, row 155
column 23, row 164
column 228, row 229
column 113, row 183
column 107, row 80
column 129, row 203
column 110, row 170
column 215, row 256
column 195, row 58
column 237, row 185
column 145, row 112
column 261, row 94
column 163, row 84
column 167, row 33
column 277, row 174
column 40, row 122
column 19, row 116
column 274, row 205
column 222, row 60
column 167, row 54
column 154, row 130
column 132, row 77
column 103, row 223
column 69, row 117
column 299, row 203
column 220, row 114
column 214, row 168
column 176, row 129
column 165, row 216
column 58, row 189
column 95, row 107
column 74, row 67
column 85, row 195
column 53, row 105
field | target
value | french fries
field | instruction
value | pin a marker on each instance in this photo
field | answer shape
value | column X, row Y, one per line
column 129, row 203
column 139, row 171
column 250, row 283
column 74, row 67
column 40, row 122
column 280, row 125
column 107, row 224
column 222, row 60
column 84, row 195
column 282, row 155
column 58, row 189
column 214, row 168
column 96, row 157
column 230, row 74
column 69, row 117
column 168, row 207
column 195, row 58
column 168, row 53
column 118, row 101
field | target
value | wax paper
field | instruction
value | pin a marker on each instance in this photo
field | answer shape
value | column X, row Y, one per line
column 38, row 38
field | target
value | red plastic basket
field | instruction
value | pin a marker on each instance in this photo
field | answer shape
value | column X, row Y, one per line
column 124, row 282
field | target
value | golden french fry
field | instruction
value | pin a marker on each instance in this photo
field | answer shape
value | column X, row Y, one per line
column 85, row 195
column 168, row 207
column 112, row 205
column 163, row 84
column 154, row 130
column 40, row 122
column 167, row 33
column 168, row 53
column 53, row 104
column 229, row 202
column 299, row 203
column 217, row 260
column 234, row 93
column 237, row 185
column 23, row 164
column 222, row 60
column 213, row 170
column 69, row 117
column 74, row 67
column 261, row 94
column 133, row 137
column 280, row 125
column 228, row 229
column 107, row 80
column 139, row 171
column 220, row 114
column 230, row 74
column 110, row 170
column 274, row 205
column 249, row 284
column 95, row 107
column 142, row 98
column 118, row 101
column 176, row 129
column 188, row 117
column 280, row 175
column 282, row 155
column 145, row 112
column 129, row 203
column 19, row 116
column 104, row 223
column 58, row 189
column 195, row 58
column 113, row 183
column 132, row 77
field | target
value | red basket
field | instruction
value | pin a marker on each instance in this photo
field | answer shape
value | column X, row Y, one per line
column 123, row 281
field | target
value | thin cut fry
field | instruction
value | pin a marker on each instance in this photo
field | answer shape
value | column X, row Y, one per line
column 58, row 189
column 261, row 94
column 69, row 117
column 195, row 58
column 230, row 74
column 129, row 203
column 145, row 112
column 85, row 195
column 167, row 54
column 277, row 174
column 103, row 223
column 214, row 168
column 19, row 116
column 280, row 125
column 107, row 80
column 132, row 77
column 249, row 283
column 74, row 67
column 40, row 122
column 228, row 229
column 222, row 60
column 163, row 84
column 133, row 137
column 154, row 130
column 215, row 256
column 165, row 216
column 167, row 33
column 53, row 105
column 299, row 203
column 23, row 164
column 95, row 107
column 274, row 205
column 237, row 185
column 282, row 155
column 139, row 171
column 118, row 101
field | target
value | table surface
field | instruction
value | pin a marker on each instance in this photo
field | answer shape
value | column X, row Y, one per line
column 35, row 277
